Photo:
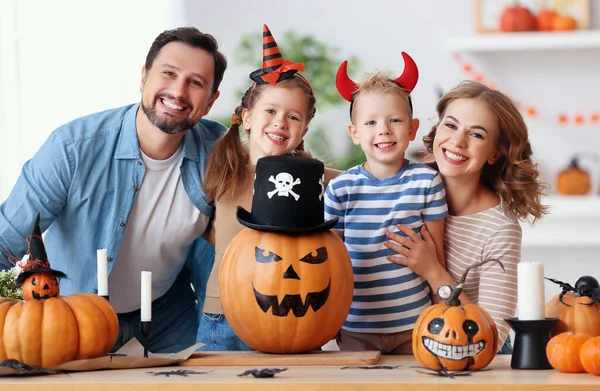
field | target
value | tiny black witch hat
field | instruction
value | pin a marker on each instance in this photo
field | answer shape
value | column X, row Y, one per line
column 37, row 262
column 288, row 196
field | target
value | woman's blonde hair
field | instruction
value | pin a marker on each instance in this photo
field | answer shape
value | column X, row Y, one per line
column 514, row 176
column 226, row 165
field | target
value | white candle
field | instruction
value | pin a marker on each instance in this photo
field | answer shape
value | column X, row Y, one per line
column 146, row 311
column 102, row 272
column 532, row 302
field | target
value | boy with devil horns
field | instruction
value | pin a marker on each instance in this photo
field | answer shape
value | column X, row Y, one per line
column 372, row 198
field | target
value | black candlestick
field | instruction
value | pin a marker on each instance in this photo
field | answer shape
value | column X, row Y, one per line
column 106, row 297
column 531, row 338
column 145, row 328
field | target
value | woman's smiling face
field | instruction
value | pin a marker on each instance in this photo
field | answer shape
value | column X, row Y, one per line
column 465, row 139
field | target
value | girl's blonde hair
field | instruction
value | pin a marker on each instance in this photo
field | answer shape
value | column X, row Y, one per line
column 226, row 166
column 514, row 176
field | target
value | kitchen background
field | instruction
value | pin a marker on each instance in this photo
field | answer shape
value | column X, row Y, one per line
column 66, row 58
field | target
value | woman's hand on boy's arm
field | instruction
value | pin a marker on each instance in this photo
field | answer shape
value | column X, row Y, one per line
column 420, row 253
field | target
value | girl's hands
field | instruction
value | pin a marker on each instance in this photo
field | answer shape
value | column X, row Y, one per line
column 420, row 253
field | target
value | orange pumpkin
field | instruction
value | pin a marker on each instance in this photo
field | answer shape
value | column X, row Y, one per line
column 564, row 23
column 286, row 293
column 573, row 180
column 517, row 18
column 575, row 315
column 453, row 336
column 545, row 18
column 563, row 351
column 50, row 332
column 40, row 286
column 590, row 355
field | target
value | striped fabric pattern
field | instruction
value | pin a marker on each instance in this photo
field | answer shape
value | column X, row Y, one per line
column 388, row 297
column 473, row 238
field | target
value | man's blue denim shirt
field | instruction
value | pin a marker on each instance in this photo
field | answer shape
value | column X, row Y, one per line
column 83, row 181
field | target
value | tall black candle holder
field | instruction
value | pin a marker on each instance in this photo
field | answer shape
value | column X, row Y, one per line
column 531, row 338
column 106, row 297
column 145, row 329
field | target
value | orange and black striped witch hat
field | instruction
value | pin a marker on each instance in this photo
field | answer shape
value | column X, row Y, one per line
column 274, row 66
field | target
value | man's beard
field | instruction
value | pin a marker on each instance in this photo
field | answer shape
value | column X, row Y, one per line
column 165, row 124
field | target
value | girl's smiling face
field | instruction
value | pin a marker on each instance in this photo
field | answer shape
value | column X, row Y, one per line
column 277, row 122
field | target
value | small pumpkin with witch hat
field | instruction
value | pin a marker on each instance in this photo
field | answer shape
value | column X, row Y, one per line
column 286, row 281
column 38, row 280
column 453, row 336
column 47, row 329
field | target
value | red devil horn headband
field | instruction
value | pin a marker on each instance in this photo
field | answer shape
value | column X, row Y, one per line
column 344, row 84
column 408, row 80
column 410, row 76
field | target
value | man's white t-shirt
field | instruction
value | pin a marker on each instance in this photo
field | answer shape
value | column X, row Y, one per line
column 162, row 225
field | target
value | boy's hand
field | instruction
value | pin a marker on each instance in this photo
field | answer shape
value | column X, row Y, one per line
column 420, row 252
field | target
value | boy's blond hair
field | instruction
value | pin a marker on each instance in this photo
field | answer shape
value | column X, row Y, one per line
column 380, row 82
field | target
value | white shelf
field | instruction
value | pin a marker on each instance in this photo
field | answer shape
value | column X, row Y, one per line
column 493, row 42
column 572, row 221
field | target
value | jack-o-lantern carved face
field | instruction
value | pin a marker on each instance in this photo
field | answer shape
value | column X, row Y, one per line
column 286, row 293
column 453, row 336
column 40, row 286
column 456, row 337
column 294, row 301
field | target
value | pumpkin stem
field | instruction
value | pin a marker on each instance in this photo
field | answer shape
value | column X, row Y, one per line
column 453, row 299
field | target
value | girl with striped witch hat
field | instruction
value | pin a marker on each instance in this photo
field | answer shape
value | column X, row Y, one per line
column 275, row 113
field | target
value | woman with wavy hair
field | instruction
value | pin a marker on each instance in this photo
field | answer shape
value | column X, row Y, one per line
column 480, row 146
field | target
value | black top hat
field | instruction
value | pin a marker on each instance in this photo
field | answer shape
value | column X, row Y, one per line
column 37, row 262
column 288, row 196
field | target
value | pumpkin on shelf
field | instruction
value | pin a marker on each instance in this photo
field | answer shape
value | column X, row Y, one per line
column 576, row 308
column 545, row 19
column 564, row 23
column 454, row 336
column 47, row 329
column 573, row 180
column 286, row 281
column 563, row 351
column 517, row 18
column 590, row 355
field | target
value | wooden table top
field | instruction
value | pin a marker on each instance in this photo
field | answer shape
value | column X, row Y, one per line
column 405, row 377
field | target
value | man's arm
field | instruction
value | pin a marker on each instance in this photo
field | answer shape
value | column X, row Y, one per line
column 43, row 188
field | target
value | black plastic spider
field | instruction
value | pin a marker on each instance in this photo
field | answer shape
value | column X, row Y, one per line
column 22, row 367
column 585, row 286
column 444, row 372
column 179, row 372
column 267, row 372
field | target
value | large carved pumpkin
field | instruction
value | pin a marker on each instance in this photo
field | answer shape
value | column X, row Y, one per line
column 576, row 315
column 286, row 293
column 56, row 330
column 454, row 336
